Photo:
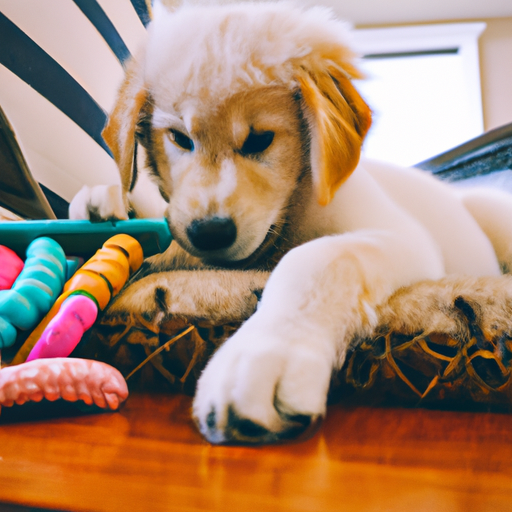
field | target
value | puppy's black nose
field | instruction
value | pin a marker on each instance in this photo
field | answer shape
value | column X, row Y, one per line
column 212, row 234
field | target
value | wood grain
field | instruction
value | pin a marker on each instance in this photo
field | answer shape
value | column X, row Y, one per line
column 149, row 456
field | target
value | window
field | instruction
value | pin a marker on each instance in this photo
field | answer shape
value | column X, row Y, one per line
column 423, row 85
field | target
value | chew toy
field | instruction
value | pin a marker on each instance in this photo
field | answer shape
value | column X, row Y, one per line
column 99, row 279
column 34, row 291
column 67, row 378
column 10, row 267
column 64, row 332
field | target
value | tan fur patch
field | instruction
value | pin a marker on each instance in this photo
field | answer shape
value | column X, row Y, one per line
column 219, row 296
column 422, row 307
column 339, row 127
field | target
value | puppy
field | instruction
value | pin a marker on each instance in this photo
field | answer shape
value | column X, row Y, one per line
column 245, row 118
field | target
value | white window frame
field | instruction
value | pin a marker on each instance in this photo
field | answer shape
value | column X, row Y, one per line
column 433, row 37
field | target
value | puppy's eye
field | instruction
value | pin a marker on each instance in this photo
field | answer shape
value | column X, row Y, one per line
column 181, row 140
column 257, row 143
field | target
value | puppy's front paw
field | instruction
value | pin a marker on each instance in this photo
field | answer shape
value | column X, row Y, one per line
column 262, row 387
column 219, row 297
column 102, row 202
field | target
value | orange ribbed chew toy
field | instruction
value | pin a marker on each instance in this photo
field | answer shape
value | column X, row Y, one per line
column 101, row 277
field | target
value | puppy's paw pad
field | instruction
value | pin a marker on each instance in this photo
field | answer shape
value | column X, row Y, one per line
column 244, row 431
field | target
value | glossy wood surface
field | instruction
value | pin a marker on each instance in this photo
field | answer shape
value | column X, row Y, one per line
column 149, row 456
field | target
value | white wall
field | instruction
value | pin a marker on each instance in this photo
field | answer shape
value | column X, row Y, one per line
column 496, row 72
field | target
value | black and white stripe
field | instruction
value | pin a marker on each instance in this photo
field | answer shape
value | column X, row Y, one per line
column 61, row 62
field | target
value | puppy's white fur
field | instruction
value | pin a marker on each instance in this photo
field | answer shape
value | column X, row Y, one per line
column 359, row 236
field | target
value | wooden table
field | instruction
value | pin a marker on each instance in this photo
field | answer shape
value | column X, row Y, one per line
column 150, row 457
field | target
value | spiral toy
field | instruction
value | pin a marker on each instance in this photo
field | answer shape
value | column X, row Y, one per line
column 34, row 290
column 89, row 290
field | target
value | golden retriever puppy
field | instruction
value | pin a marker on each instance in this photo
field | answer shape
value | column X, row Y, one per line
column 246, row 119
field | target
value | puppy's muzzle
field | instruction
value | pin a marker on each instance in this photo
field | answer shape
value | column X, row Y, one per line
column 212, row 234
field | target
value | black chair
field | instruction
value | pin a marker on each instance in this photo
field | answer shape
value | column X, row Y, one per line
column 488, row 153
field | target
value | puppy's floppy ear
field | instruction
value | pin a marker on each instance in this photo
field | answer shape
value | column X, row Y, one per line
column 338, row 121
column 119, row 134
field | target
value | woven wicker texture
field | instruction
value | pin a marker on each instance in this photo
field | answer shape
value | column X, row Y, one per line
column 446, row 343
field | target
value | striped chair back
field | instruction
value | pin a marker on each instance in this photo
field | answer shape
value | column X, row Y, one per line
column 61, row 62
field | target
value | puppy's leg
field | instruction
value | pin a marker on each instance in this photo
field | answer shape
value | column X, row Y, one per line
column 105, row 202
column 145, row 198
column 221, row 296
column 492, row 209
column 272, row 377
column 99, row 202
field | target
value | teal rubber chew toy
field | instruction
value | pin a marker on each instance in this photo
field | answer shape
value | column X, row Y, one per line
column 34, row 291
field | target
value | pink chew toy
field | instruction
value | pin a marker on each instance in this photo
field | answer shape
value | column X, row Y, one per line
column 67, row 378
column 10, row 267
column 76, row 314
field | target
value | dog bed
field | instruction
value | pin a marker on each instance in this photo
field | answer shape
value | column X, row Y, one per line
column 437, row 344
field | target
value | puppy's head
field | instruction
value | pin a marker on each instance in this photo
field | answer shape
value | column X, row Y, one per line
column 242, row 109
